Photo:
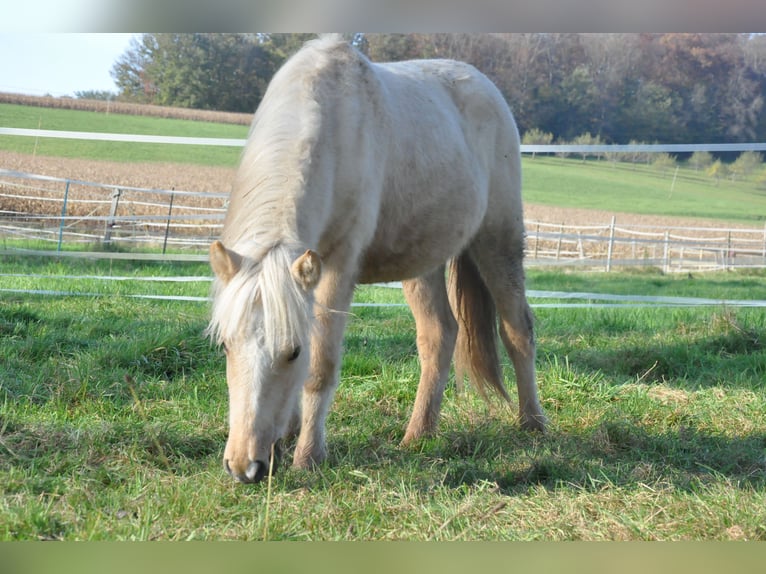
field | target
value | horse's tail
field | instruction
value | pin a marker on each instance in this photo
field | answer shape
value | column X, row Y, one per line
column 476, row 348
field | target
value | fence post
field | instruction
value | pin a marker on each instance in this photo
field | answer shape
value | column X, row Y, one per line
column 764, row 242
column 728, row 251
column 610, row 246
column 537, row 236
column 63, row 215
column 558, row 245
column 167, row 224
column 112, row 215
column 666, row 253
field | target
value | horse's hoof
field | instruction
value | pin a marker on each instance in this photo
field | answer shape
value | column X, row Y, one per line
column 535, row 423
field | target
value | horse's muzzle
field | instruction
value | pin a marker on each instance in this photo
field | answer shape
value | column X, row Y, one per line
column 257, row 470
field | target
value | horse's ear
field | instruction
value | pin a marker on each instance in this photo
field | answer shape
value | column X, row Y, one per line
column 307, row 269
column 225, row 262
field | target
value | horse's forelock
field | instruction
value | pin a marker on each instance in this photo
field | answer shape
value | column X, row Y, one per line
column 269, row 285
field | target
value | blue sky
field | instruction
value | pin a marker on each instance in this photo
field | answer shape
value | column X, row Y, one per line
column 58, row 64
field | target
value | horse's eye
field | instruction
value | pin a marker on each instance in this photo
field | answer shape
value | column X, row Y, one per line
column 296, row 353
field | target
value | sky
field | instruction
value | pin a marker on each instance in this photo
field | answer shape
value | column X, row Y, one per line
column 59, row 64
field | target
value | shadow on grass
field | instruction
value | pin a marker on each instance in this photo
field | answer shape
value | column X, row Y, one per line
column 45, row 453
column 619, row 454
column 615, row 453
column 732, row 357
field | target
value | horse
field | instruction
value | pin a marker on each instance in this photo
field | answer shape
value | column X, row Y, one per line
column 357, row 172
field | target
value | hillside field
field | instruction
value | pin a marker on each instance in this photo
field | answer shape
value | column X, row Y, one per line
column 549, row 182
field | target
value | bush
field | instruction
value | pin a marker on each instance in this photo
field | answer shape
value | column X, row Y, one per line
column 701, row 160
column 747, row 163
column 662, row 162
column 718, row 170
column 536, row 137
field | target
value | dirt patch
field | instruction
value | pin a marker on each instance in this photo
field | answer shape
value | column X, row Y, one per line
column 146, row 175
column 574, row 216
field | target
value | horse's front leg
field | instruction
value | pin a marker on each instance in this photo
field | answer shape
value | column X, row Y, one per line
column 333, row 299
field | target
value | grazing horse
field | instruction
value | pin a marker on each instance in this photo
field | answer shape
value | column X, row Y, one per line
column 358, row 172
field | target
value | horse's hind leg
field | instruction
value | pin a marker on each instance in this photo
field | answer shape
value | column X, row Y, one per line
column 436, row 334
column 501, row 267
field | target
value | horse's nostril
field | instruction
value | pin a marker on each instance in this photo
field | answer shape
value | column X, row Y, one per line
column 256, row 470
column 227, row 467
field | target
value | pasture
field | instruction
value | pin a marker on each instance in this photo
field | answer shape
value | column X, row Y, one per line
column 113, row 409
column 113, row 420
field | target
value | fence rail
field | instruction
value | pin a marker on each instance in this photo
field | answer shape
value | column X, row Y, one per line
column 671, row 248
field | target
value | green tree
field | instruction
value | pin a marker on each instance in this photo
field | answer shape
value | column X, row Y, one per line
column 701, row 160
column 536, row 137
column 227, row 72
column 587, row 139
column 662, row 162
column 746, row 164
column 103, row 95
column 718, row 170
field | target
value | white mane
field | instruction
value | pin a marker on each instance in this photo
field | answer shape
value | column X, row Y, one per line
column 277, row 158
column 262, row 285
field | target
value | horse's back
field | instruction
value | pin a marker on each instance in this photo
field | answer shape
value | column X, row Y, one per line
column 451, row 162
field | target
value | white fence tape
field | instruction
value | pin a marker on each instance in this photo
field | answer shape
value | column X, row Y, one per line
column 525, row 148
column 130, row 138
column 615, row 301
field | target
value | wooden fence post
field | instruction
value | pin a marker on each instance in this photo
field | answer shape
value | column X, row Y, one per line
column 666, row 253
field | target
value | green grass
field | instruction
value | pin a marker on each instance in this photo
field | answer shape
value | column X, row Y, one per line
column 640, row 189
column 16, row 116
column 113, row 421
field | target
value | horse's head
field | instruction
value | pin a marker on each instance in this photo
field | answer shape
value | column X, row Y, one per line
column 261, row 316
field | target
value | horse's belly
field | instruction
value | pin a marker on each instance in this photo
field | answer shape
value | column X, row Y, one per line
column 414, row 250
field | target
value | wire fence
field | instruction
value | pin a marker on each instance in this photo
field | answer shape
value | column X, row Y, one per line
column 53, row 215
column 670, row 248
column 44, row 211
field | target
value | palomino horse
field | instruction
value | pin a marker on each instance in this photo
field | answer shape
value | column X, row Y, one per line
column 356, row 172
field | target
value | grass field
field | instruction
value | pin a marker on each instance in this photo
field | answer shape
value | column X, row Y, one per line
column 113, row 420
column 641, row 189
column 17, row 116
column 113, row 409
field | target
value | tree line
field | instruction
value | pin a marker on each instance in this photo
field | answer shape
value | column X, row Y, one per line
column 667, row 88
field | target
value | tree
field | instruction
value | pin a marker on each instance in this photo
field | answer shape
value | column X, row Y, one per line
column 130, row 71
column 718, row 170
column 747, row 163
column 536, row 137
column 103, row 95
column 701, row 160
column 587, row 139
column 662, row 162
column 227, row 72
